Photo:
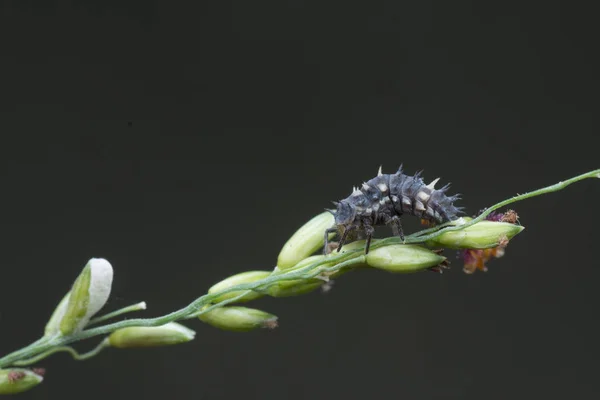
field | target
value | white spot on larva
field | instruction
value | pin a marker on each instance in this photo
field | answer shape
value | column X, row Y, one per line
column 376, row 207
column 395, row 199
column 432, row 184
column 369, row 210
column 383, row 187
column 365, row 186
column 423, row 196
column 379, row 172
column 419, row 206
column 406, row 201
column 384, row 200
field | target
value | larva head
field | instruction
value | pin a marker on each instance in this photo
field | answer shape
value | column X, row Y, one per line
column 345, row 213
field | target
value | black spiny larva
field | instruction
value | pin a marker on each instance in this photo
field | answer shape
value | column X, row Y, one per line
column 384, row 199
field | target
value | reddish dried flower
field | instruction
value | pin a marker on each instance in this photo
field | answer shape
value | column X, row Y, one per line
column 39, row 371
column 510, row 216
column 440, row 267
column 503, row 241
column 271, row 323
column 14, row 376
column 495, row 216
column 476, row 259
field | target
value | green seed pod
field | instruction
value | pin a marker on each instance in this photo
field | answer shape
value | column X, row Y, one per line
column 17, row 380
column 238, row 319
column 403, row 258
column 308, row 239
column 88, row 295
column 53, row 325
column 482, row 235
column 238, row 279
column 151, row 336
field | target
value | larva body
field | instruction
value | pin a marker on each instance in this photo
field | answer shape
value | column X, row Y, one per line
column 385, row 198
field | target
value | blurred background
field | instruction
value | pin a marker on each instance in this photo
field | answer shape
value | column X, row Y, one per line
column 187, row 142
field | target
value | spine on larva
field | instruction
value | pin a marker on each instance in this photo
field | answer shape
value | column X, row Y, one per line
column 410, row 195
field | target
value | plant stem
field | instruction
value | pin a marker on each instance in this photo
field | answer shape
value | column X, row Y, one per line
column 80, row 357
column 131, row 308
column 47, row 346
column 194, row 308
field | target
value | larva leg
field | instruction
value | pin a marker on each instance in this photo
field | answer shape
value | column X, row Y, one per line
column 326, row 241
column 344, row 236
column 396, row 226
column 369, row 232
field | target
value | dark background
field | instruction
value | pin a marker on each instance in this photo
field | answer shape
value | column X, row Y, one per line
column 185, row 143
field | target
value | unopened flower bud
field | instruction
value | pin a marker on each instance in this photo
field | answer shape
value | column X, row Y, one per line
column 238, row 319
column 403, row 258
column 17, row 380
column 308, row 239
column 88, row 295
column 151, row 336
column 238, row 279
column 482, row 235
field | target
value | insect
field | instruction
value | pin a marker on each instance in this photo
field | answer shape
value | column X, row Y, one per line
column 384, row 199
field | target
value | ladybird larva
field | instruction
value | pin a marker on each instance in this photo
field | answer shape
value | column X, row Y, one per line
column 384, row 199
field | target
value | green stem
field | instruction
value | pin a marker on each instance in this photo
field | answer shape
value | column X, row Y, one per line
column 194, row 308
column 46, row 346
column 80, row 357
column 131, row 308
column 26, row 351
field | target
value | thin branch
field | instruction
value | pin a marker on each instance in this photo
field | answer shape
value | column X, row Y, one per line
column 47, row 346
column 131, row 308
column 80, row 357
